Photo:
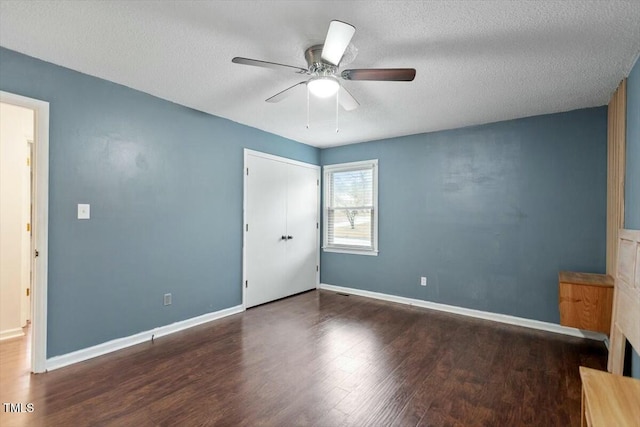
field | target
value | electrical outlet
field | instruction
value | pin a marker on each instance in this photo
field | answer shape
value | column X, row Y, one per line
column 84, row 211
column 167, row 299
column 423, row 281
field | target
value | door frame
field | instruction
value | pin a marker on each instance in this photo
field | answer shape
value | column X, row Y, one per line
column 248, row 152
column 40, row 236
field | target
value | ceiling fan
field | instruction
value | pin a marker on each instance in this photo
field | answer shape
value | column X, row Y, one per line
column 323, row 61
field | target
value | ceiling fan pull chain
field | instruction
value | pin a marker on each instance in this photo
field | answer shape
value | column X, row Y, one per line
column 307, row 106
column 337, row 109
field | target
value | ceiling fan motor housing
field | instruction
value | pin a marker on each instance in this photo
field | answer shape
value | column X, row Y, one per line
column 317, row 66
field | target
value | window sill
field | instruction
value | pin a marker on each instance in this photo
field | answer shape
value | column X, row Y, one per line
column 368, row 252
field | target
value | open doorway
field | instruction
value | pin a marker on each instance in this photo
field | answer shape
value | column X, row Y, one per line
column 24, row 194
column 17, row 126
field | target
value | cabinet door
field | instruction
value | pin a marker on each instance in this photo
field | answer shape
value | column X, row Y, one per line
column 266, row 216
column 302, row 221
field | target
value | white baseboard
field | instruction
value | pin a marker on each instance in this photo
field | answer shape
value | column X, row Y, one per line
column 11, row 333
column 120, row 343
column 502, row 318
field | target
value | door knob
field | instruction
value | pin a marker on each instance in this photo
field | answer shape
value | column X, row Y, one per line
column 289, row 237
column 283, row 237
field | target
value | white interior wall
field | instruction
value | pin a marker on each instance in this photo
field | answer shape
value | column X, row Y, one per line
column 16, row 128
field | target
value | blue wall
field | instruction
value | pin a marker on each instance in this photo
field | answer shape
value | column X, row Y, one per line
column 632, row 178
column 489, row 214
column 165, row 187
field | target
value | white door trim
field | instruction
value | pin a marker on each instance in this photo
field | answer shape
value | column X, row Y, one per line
column 40, row 225
column 247, row 153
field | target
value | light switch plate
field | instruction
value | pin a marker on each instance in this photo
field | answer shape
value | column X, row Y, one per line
column 84, row 211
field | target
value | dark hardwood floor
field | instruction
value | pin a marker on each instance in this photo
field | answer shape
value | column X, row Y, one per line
column 315, row 359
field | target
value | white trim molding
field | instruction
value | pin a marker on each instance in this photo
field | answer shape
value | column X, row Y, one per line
column 478, row 314
column 250, row 152
column 120, row 343
column 11, row 333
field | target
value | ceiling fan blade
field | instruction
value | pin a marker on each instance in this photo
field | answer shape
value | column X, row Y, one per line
column 338, row 37
column 284, row 94
column 265, row 64
column 346, row 100
column 380, row 74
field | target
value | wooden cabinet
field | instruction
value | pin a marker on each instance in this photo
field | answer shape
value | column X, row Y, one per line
column 609, row 400
column 585, row 300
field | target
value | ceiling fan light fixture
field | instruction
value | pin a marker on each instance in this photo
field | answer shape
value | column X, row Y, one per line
column 323, row 86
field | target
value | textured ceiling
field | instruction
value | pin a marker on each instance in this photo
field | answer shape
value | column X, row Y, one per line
column 476, row 62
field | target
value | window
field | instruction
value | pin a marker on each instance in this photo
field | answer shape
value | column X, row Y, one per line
column 351, row 208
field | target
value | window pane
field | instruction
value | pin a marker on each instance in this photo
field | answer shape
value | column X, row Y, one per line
column 350, row 227
column 352, row 188
column 349, row 222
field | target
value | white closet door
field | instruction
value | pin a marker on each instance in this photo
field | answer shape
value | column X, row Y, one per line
column 302, row 219
column 281, row 241
column 266, row 207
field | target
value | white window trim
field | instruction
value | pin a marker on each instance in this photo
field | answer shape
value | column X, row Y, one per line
column 327, row 169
